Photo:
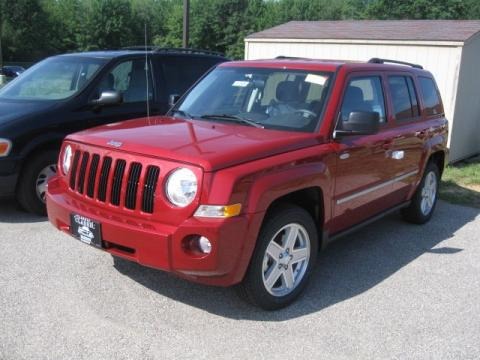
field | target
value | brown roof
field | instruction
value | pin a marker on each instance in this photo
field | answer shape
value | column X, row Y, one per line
column 426, row 30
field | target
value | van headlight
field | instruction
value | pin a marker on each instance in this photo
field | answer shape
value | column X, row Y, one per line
column 181, row 187
column 67, row 159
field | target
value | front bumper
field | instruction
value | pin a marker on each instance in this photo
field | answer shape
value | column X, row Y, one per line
column 161, row 246
column 8, row 177
column 8, row 183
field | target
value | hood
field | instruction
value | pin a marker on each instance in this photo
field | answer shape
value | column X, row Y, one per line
column 13, row 110
column 212, row 145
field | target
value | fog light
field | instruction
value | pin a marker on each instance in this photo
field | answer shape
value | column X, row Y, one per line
column 204, row 245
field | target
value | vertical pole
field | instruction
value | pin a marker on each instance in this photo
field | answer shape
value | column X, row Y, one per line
column 1, row 25
column 1, row 55
column 186, row 22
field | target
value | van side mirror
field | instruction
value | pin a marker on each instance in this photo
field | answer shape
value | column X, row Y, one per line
column 108, row 98
column 172, row 99
column 358, row 123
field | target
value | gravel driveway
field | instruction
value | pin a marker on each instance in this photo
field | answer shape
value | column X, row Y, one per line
column 389, row 291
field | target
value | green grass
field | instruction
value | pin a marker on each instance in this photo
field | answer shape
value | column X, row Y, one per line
column 461, row 183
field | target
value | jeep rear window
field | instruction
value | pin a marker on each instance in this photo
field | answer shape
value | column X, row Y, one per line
column 280, row 99
column 431, row 98
column 404, row 97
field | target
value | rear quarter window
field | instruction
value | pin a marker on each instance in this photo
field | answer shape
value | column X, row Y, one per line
column 431, row 97
column 181, row 72
column 404, row 98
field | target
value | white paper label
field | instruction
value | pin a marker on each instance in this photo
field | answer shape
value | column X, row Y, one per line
column 240, row 83
column 316, row 79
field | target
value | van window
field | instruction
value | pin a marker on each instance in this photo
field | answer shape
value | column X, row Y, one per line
column 364, row 94
column 404, row 97
column 130, row 79
column 181, row 72
column 431, row 98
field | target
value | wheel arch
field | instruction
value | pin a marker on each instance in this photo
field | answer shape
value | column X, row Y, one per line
column 46, row 142
column 310, row 199
column 438, row 158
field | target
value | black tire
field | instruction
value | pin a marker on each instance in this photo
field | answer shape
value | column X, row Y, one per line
column 26, row 192
column 253, row 288
column 413, row 213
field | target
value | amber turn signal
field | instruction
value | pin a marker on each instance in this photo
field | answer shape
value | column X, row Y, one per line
column 218, row 211
column 5, row 146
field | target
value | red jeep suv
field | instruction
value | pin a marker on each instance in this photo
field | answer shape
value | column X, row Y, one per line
column 255, row 169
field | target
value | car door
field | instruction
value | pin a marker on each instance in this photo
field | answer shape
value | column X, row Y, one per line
column 134, row 81
column 363, row 174
column 410, row 132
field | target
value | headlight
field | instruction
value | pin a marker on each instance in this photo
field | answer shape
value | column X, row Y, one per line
column 5, row 147
column 181, row 187
column 67, row 159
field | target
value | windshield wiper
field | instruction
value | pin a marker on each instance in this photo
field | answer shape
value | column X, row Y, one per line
column 233, row 118
column 182, row 113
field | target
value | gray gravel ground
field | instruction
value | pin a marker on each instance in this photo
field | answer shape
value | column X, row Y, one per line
column 389, row 291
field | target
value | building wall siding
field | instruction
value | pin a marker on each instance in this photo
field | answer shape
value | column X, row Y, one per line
column 465, row 135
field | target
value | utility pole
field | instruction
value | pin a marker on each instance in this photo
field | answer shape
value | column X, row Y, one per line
column 1, row 25
column 186, row 22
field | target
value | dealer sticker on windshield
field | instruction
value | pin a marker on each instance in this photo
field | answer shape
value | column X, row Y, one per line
column 86, row 230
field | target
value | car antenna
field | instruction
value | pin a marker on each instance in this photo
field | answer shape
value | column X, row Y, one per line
column 146, row 74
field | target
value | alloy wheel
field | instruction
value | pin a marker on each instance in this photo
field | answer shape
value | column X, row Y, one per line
column 286, row 260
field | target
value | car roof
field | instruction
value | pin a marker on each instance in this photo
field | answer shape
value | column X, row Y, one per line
column 326, row 65
column 110, row 54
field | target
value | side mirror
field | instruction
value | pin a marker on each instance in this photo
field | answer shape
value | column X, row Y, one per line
column 172, row 99
column 359, row 123
column 108, row 98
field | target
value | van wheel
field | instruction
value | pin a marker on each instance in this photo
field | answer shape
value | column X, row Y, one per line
column 32, row 187
column 425, row 197
column 283, row 259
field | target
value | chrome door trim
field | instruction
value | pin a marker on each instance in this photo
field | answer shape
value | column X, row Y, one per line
column 376, row 187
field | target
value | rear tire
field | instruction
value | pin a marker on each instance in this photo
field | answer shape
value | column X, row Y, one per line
column 424, row 200
column 31, row 189
column 283, row 259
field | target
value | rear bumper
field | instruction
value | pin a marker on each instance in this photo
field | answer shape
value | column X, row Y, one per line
column 161, row 246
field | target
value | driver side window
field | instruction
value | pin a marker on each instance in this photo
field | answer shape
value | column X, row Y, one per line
column 129, row 78
column 363, row 94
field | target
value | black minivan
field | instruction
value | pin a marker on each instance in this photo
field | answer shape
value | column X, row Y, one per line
column 67, row 93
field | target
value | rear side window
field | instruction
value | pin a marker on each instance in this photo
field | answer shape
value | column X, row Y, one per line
column 181, row 72
column 431, row 98
column 404, row 98
column 363, row 94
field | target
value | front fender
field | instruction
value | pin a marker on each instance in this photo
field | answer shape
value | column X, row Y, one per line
column 258, row 184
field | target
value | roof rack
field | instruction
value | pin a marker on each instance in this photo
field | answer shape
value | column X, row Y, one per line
column 383, row 61
column 173, row 50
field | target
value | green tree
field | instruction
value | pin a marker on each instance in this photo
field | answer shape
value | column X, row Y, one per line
column 416, row 9
column 25, row 30
column 107, row 25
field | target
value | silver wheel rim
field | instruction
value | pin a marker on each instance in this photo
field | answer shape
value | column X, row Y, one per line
column 42, row 180
column 429, row 193
column 286, row 260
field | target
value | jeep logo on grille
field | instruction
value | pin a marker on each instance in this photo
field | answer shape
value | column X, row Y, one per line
column 114, row 143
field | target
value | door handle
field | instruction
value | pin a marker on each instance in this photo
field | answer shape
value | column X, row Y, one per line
column 421, row 134
column 387, row 145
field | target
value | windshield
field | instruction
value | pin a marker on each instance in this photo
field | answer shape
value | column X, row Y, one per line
column 52, row 79
column 270, row 98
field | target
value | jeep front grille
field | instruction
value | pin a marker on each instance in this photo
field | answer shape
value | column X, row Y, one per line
column 118, row 182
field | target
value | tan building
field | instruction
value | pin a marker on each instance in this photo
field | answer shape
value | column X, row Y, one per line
column 450, row 49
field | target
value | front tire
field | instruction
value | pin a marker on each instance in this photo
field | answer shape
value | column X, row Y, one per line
column 31, row 189
column 285, row 254
column 425, row 198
